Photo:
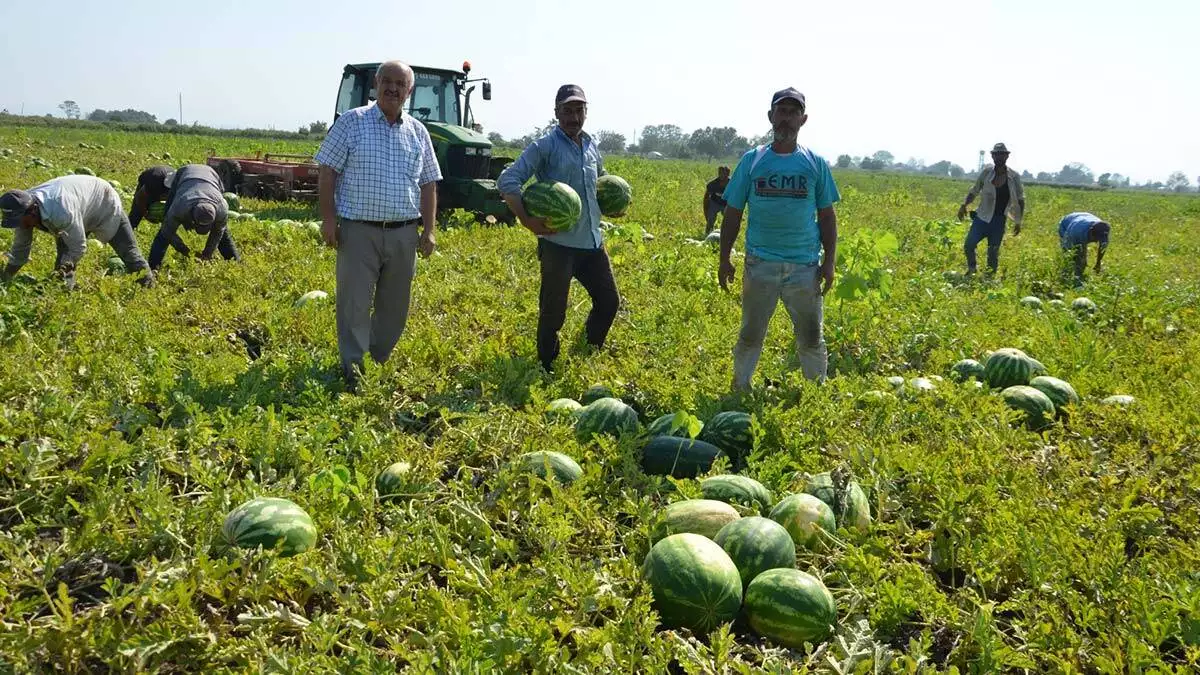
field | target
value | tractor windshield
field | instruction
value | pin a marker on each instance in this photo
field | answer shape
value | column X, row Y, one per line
column 434, row 98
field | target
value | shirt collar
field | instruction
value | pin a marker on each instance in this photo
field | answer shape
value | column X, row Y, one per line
column 584, row 138
column 383, row 118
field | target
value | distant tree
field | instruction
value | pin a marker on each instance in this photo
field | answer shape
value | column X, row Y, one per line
column 765, row 139
column 70, row 109
column 495, row 138
column 665, row 138
column 1075, row 174
column 634, row 149
column 914, row 164
column 884, row 158
column 318, row 127
column 610, row 142
column 1046, row 177
column 171, row 122
column 1178, row 182
column 843, row 161
column 716, row 142
column 871, row 164
column 128, row 115
column 941, row 168
column 1025, row 175
column 957, row 171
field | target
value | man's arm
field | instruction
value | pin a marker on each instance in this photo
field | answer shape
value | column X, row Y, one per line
column 513, row 178
column 137, row 210
column 333, row 156
column 975, row 189
column 731, row 225
column 326, row 186
column 827, row 223
column 1100, row 249
column 76, row 241
column 167, row 232
column 428, row 219
column 19, row 254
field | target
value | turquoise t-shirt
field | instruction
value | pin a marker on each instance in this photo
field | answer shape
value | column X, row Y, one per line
column 784, row 193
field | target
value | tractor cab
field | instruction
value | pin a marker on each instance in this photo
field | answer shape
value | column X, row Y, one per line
column 441, row 100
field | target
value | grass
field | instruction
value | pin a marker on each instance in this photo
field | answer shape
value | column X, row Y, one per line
column 132, row 421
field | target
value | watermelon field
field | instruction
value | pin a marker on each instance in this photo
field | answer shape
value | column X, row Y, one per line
column 150, row 437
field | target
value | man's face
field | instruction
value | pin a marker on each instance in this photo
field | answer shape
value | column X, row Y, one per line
column 787, row 117
column 571, row 116
column 1000, row 158
column 392, row 87
column 722, row 174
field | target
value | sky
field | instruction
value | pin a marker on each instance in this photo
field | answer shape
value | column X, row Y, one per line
column 1058, row 81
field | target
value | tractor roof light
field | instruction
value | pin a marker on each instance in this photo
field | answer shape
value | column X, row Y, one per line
column 466, row 67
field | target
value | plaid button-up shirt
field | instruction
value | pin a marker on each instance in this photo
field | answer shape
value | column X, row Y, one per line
column 382, row 166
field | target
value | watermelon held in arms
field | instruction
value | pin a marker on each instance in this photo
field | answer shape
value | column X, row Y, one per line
column 730, row 431
column 678, row 457
column 790, row 607
column 1038, row 408
column 606, row 416
column 1008, row 367
column 156, row 212
column 694, row 582
column 734, row 489
column 613, row 194
column 557, row 202
column 561, row 467
column 699, row 516
column 269, row 522
column 806, row 518
column 755, row 545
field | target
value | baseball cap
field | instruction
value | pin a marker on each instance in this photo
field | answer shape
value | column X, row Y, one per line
column 1101, row 229
column 1000, row 147
column 203, row 214
column 14, row 204
column 155, row 178
column 568, row 93
column 784, row 94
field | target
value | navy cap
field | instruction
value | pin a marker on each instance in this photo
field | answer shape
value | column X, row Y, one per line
column 568, row 93
column 14, row 204
column 155, row 178
column 789, row 93
column 1100, row 230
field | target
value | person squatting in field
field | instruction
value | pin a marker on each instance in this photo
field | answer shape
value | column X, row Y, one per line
column 71, row 208
column 714, row 202
column 569, row 155
column 378, row 180
column 790, row 193
column 1002, row 196
column 1077, row 230
column 195, row 202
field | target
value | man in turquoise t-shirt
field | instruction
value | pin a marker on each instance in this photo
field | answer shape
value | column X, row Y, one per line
column 1077, row 230
column 791, row 193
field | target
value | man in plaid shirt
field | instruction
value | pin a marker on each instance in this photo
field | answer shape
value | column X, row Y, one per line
column 378, row 180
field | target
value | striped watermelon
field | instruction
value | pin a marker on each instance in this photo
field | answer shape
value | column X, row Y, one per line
column 966, row 369
column 543, row 463
column 1032, row 302
column 232, row 201
column 613, row 194
column 1082, row 305
column 116, row 265
column 595, row 393
column 734, row 489
column 1060, row 393
column 1008, row 367
column 896, row 382
column 695, row 584
column 84, row 171
column 563, row 408
column 805, row 517
column 606, row 416
column 790, row 607
column 269, row 522
column 699, row 516
column 678, row 457
column 156, row 212
column 395, row 481
column 755, row 545
column 851, row 509
column 674, row 424
column 557, row 202
column 730, row 431
column 1038, row 408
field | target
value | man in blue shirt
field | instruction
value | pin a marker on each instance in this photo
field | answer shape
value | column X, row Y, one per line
column 1077, row 230
column 791, row 193
column 567, row 154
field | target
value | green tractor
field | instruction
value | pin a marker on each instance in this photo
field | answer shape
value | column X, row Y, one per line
column 441, row 100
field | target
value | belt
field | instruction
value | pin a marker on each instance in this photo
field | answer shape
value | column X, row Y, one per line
column 390, row 224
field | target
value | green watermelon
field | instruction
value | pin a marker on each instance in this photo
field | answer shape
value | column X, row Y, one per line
column 730, row 431
column 309, row 297
column 1056, row 303
column 613, row 194
column 270, row 522
column 1038, row 408
column 115, row 183
column 678, row 457
column 1082, row 304
column 735, row 489
column 1008, row 367
column 156, row 212
column 116, row 265
column 557, row 202
column 232, row 201
column 667, row 426
column 561, row 408
column 1032, row 302
column 1060, row 393
column 595, row 393
column 966, row 369
column 695, row 584
column 84, row 171
column 755, row 545
column 805, row 517
column 1118, row 400
column 790, row 607
column 698, row 516
column 564, row 469
column 606, row 416
column 397, row 481
column 851, row 509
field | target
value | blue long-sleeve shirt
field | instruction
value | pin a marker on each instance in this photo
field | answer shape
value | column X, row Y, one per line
column 556, row 157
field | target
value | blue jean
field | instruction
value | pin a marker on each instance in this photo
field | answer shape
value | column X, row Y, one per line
column 980, row 229
column 764, row 284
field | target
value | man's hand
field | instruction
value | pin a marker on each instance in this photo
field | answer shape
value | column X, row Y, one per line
column 537, row 226
column 962, row 212
column 1097, row 267
column 725, row 273
column 426, row 244
column 1016, row 229
column 201, row 255
column 826, row 276
column 329, row 233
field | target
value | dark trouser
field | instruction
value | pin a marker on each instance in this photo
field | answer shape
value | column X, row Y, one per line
column 226, row 248
column 592, row 268
column 710, row 216
column 993, row 232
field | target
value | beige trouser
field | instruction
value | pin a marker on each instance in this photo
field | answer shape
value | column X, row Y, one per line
column 375, row 269
column 764, row 284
